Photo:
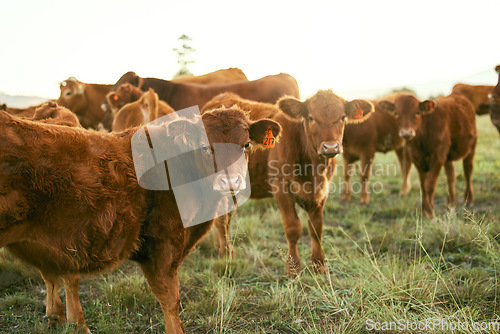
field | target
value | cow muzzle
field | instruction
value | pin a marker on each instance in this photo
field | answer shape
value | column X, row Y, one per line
column 407, row 133
column 330, row 149
column 229, row 186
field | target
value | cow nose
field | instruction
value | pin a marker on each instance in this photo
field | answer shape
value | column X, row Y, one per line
column 407, row 133
column 330, row 149
column 229, row 185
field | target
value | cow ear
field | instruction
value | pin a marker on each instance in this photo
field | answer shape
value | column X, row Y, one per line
column 358, row 111
column 292, row 107
column 497, row 69
column 387, row 106
column 426, row 107
column 80, row 88
column 258, row 130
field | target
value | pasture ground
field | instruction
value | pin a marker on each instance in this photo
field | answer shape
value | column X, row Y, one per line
column 385, row 264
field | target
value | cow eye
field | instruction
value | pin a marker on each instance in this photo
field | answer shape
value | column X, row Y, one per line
column 68, row 93
column 343, row 118
column 247, row 145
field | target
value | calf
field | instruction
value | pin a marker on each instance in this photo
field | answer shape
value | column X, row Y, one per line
column 437, row 133
column 70, row 204
column 477, row 95
column 124, row 94
column 142, row 111
column 495, row 102
column 379, row 133
column 85, row 101
column 300, row 167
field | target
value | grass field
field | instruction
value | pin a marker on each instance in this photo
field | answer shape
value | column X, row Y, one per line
column 385, row 264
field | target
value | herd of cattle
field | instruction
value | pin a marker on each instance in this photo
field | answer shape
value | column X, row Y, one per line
column 70, row 202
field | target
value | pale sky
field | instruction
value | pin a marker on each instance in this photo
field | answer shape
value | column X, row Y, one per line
column 343, row 45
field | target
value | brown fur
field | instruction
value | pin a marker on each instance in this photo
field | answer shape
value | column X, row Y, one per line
column 52, row 113
column 443, row 131
column 218, row 77
column 182, row 95
column 495, row 102
column 477, row 95
column 142, row 111
column 306, row 126
column 70, row 204
column 85, row 101
column 379, row 133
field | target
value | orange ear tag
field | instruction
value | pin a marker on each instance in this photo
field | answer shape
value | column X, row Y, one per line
column 358, row 114
column 269, row 140
column 115, row 97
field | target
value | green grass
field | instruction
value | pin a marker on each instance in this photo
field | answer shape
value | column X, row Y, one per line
column 385, row 264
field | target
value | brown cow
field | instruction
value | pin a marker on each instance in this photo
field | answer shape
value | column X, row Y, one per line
column 437, row 133
column 124, row 94
column 85, row 101
column 379, row 133
column 52, row 113
column 70, row 204
column 300, row 167
column 495, row 102
column 477, row 95
column 182, row 95
column 23, row 112
column 142, row 111
column 218, row 77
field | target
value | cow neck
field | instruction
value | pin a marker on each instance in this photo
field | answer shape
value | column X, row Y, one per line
column 307, row 154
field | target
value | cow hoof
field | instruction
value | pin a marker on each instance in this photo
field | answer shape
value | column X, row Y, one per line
column 55, row 320
column 319, row 268
column 346, row 198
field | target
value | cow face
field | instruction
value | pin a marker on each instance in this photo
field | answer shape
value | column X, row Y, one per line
column 231, row 136
column 324, row 117
column 409, row 112
column 72, row 94
column 125, row 93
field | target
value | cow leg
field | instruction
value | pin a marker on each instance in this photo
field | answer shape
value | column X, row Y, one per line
column 54, row 309
column 450, row 177
column 315, row 227
column 366, row 164
column 428, row 183
column 293, row 230
column 405, row 164
column 73, row 307
column 349, row 169
column 468, row 164
column 162, row 275
column 223, row 241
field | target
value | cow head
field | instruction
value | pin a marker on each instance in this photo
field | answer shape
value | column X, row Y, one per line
column 52, row 113
column 324, row 116
column 72, row 95
column 124, row 94
column 231, row 136
column 409, row 112
column 495, row 102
